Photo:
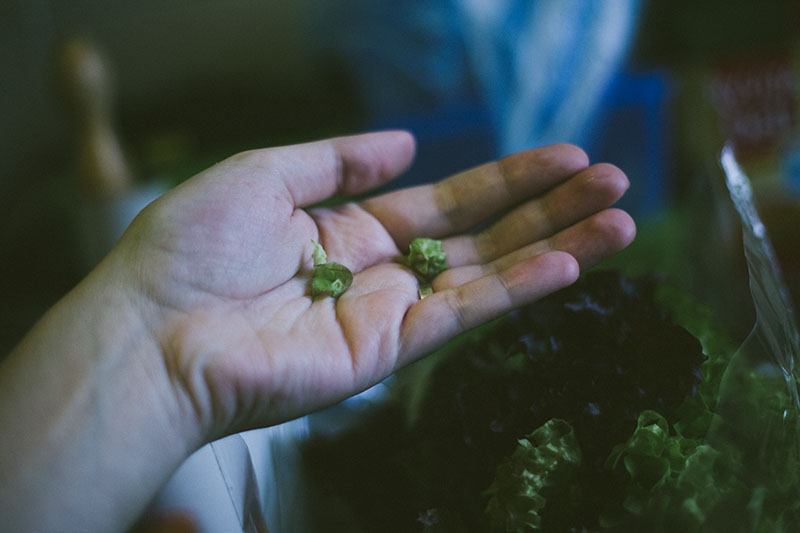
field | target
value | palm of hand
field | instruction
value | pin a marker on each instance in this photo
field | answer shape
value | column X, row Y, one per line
column 230, row 256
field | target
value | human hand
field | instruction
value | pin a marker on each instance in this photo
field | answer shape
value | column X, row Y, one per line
column 223, row 263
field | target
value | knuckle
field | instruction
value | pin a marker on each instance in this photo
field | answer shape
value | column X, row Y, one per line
column 458, row 305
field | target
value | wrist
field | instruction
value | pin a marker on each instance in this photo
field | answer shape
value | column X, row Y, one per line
column 93, row 423
column 133, row 326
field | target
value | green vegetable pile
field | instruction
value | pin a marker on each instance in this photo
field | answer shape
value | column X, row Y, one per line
column 613, row 405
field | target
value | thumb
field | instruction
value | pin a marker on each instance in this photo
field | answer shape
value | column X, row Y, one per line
column 312, row 172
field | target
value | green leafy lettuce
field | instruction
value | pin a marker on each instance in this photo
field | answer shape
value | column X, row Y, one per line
column 329, row 278
column 544, row 461
column 675, row 482
column 726, row 459
column 616, row 404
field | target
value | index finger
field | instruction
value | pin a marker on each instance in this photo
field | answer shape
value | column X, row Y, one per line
column 312, row 172
column 468, row 198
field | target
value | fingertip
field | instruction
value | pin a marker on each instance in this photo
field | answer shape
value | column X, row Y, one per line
column 406, row 148
column 540, row 275
column 570, row 268
column 606, row 233
column 372, row 159
column 611, row 182
column 405, row 140
column 554, row 270
column 401, row 144
column 572, row 158
column 548, row 165
column 622, row 227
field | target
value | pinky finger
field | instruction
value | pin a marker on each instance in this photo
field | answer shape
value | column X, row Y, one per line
column 441, row 316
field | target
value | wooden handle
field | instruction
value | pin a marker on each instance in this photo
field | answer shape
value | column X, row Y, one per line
column 86, row 85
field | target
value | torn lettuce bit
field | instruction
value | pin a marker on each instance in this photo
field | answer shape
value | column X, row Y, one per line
column 318, row 254
column 329, row 278
column 426, row 257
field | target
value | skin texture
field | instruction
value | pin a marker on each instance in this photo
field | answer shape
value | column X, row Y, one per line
column 200, row 322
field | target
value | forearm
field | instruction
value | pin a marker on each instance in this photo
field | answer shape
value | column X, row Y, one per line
column 90, row 425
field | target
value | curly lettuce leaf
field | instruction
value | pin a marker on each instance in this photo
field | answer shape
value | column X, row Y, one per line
column 744, row 411
column 675, row 482
column 544, row 462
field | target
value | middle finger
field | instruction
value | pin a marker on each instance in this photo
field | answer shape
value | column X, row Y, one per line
column 468, row 198
column 588, row 192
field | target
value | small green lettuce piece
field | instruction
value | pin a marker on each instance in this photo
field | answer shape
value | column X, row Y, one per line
column 426, row 257
column 332, row 278
column 329, row 278
column 544, row 462
column 318, row 254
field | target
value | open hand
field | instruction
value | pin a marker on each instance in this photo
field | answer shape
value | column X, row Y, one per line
column 223, row 263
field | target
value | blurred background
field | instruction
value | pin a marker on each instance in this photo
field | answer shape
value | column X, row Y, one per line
column 106, row 101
